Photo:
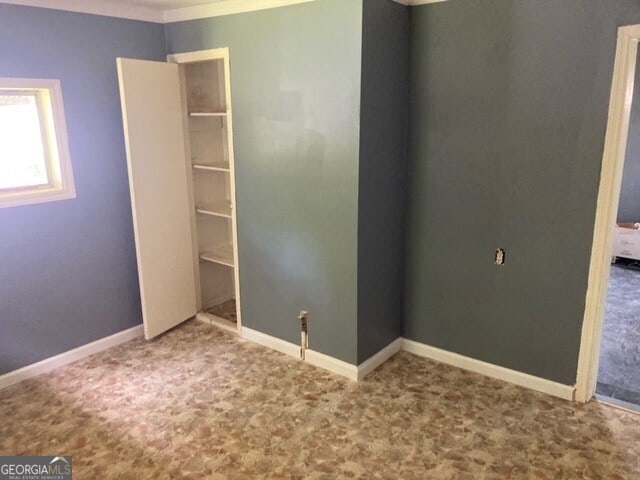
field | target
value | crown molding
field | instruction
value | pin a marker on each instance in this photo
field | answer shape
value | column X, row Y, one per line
column 102, row 7
column 415, row 3
column 228, row 7
column 145, row 14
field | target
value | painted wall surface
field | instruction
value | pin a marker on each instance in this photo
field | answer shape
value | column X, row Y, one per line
column 382, row 182
column 629, row 208
column 507, row 120
column 68, row 269
column 295, row 85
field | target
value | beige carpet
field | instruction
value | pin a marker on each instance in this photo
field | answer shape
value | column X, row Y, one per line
column 199, row 403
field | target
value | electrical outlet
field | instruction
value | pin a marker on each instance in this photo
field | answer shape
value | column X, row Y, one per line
column 500, row 256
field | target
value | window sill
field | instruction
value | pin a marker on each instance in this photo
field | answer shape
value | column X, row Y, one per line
column 39, row 195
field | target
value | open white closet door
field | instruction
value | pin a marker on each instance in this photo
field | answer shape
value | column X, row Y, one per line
column 152, row 115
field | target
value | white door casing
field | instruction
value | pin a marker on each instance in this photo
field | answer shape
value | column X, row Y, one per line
column 606, row 209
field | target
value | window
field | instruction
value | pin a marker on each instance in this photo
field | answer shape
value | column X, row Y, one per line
column 34, row 153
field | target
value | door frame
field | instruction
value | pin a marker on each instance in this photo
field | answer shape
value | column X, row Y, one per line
column 201, row 56
column 606, row 210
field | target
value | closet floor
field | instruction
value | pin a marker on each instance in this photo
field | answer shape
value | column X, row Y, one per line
column 199, row 403
column 226, row 310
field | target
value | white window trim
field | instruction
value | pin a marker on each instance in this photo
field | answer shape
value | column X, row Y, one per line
column 62, row 185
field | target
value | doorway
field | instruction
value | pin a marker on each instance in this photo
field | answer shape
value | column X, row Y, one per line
column 619, row 370
column 606, row 230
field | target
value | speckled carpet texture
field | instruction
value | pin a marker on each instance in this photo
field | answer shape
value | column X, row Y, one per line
column 199, row 403
column 619, row 374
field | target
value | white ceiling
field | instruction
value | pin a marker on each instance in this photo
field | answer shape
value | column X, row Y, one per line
column 160, row 11
column 173, row 4
column 160, row 4
column 166, row 11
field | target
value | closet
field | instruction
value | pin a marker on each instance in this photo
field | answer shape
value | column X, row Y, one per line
column 178, row 133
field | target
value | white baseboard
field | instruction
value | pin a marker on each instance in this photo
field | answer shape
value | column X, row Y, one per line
column 70, row 356
column 369, row 365
column 566, row 392
column 273, row 343
column 331, row 364
column 312, row 357
column 549, row 387
column 322, row 360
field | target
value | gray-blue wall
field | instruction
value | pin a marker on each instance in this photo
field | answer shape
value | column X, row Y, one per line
column 295, row 85
column 382, row 185
column 629, row 208
column 67, row 269
column 508, row 113
column 506, row 130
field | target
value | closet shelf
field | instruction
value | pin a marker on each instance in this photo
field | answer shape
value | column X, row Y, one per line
column 207, row 114
column 222, row 254
column 218, row 210
column 212, row 167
